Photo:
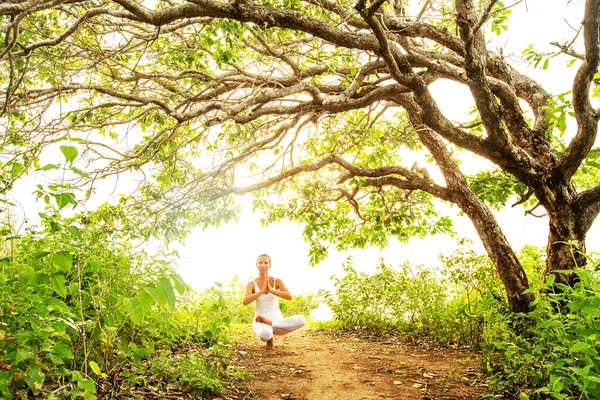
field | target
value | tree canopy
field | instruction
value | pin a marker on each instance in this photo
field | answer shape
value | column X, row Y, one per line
column 322, row 109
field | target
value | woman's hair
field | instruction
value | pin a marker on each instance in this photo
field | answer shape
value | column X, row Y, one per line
column 264, row 255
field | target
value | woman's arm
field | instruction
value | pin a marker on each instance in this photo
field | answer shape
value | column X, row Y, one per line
column 249, row 297
column 281, row 291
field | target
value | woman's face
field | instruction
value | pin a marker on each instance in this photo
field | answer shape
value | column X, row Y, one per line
column 263, row 263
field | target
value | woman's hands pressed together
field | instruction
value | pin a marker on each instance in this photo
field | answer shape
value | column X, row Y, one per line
column 267, row 287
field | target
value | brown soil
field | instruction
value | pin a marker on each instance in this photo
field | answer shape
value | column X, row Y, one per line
column 311, row 365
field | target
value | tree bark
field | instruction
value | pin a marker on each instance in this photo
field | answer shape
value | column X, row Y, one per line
column 498, row 249
column 494, row 241
column 566, row 246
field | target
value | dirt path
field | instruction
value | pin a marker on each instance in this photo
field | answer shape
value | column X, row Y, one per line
column 310, row 365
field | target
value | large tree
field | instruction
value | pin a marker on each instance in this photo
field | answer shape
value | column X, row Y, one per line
column 326, row 103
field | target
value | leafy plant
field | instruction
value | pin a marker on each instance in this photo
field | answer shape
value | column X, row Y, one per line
column 74, row 298
column 407, row 300
column 552, row 352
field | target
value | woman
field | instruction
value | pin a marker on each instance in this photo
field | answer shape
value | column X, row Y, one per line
column 266, row 291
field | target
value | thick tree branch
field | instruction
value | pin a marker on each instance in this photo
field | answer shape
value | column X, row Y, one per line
column 475, row 67
column 587, row 121
column 12, row 7
column 588, row 198
column 589, row 204
column 406, row 184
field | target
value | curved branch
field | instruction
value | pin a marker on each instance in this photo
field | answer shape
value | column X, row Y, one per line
column 587, row 121
column 524, row 198
column 588, row 202
column 13, row 41
column 475, row 67
column 71, row 29
column 11, row 7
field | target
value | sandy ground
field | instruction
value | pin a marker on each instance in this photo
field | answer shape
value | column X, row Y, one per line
column 311, row 365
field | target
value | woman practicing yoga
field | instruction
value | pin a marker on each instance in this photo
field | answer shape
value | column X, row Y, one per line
column 266, row 290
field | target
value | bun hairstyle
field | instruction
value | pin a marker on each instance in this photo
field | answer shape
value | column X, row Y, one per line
column 264, row 255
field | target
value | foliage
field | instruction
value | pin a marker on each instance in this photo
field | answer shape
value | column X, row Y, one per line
column 472, row 282
column 79, row 305
column 450, row 303
column 551, row 352
column 212, row 312
column 301, row 304
column 533, row 259
column 496, row 188
column 442, row 305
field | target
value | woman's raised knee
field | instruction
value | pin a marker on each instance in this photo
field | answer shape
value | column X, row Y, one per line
column 264, row 332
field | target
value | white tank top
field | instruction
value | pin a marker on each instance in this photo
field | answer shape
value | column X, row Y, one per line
column 267, row 305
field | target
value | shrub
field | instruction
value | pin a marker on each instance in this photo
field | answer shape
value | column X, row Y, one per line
column 79, row 302
column 301, row 304
column 409, row 301
column 554, row 351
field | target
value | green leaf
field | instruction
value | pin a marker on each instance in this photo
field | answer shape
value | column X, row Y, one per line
column 134, row 310
column 64, row 199
column 167, row 295
column 180, row 285
column 63, row 350
column 523, row 396
column 94, row 265
column 87, row 385
column 16, row 169
column 63, row 261
column 48, row 167
column 55, row 359
column 579, row 347
column 146, row 300
column 75, row 231
column 80, row 172
column 23, row 355
column 69, row 152
column 109, row 321
column 41, row 254
column 594, row 164
column 35, row 379
column 95, row 367
column 152, row 292
column 57, row 281
column 140, row 352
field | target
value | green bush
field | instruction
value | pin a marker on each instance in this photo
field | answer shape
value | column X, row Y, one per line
column 79, row 304
column 554, row 351
column 207, row 316
column 301, row 304
column 473, row 283
column 413, row 301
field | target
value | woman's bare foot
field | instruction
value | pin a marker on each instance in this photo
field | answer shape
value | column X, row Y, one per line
column 270, row 344
column 264, row 320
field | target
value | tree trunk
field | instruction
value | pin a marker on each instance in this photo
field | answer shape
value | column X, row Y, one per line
column 499, row 250
column 566, row 246
column 567, row 228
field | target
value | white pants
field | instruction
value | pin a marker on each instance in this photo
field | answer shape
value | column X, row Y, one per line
column 280, row 327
